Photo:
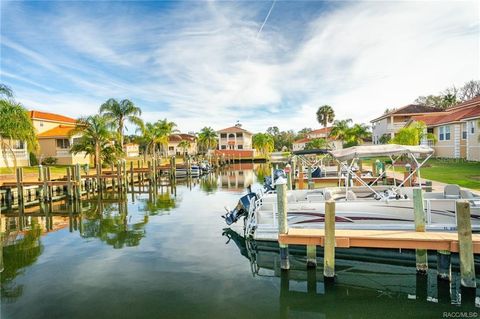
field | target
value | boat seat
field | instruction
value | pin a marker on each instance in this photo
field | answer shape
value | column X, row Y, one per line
column 451, row 191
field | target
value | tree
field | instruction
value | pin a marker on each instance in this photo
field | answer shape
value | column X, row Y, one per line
column 325, row 115
column 469, row 90
column 5, row 91
column 317, row 143
column 119, row 112
column 385, row 139
column 207, row 139
column 155, row 135
column 303, row 133
column 15, row 125
column 184, row 145
column 412, row 134
column 96, row 135
column 357, row 134
column 340, row 129
column 263, row 142
column 281, row 139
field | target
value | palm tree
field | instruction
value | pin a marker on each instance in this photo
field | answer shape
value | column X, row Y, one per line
column 5, row 91
column 207, row 138
column 156, row 134
column 165, row 130
column 318, row 143
column 15, row 125
column 325, row 115
column 263, row 142
column 357, row 134
column 95, row 137
column 119, row 112
column 184, row 145
column 340, row 129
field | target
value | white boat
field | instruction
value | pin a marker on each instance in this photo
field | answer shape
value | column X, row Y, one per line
column 364, row 207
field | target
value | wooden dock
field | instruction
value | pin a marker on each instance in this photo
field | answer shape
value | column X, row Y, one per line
column 379, row 239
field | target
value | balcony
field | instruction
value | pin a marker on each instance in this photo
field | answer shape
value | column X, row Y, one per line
column 393, row 128
column 63, row 153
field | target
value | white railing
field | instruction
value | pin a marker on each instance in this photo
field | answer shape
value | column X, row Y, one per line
column 395, row 126
column 63, row 153
column 19, row 153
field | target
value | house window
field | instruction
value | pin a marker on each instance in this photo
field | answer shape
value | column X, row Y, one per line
column 224, row 147
column 239, row 134
column 18, row 145
column 464, row 131
column 444, row 133
column 231, row 135
column 63, row 143
column 171, row 148
column 240, row 147
column 223, row 135
column 76, row 141
column 472, row 127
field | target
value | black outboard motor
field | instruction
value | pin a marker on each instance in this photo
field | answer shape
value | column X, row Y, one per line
column 267, row 181
column 241, row 209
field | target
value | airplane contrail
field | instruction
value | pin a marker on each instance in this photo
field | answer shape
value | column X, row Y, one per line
column 266, row 18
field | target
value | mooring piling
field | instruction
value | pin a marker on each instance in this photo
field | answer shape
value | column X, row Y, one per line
column 444, row 265
column 281, row 187
column 329, row 248
column 419, row 213
column 464, row 228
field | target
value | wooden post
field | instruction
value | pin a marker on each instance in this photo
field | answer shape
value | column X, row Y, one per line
column 69, row 183
column 421, row 254
column 281, row 186
column 131, row 175
column 444, row 265
column 464, row 226
column 300, row 174
column 329, row 248
column 119, row 178
column 293, row 175
column 78, row 181
column 41, row 178
column 288, row 170
column 149, row 165
column 19, row 185
column 311, row 256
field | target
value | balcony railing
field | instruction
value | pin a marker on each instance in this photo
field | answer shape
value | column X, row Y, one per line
column 63, row 153
column 19, row 154
column 396, row 126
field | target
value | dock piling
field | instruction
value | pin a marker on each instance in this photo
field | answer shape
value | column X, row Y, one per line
column 443, row 265
column 311, row 256
column 464, row 226
column 421, row 254
column 329, row 245
column 281, row 186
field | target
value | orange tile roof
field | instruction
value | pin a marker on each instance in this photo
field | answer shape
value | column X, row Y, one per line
column 181, row 137
column 38, row 115
column 325, row 130
column 302, row 140
column 58, row 131
column 454, row 114
column 233, row 129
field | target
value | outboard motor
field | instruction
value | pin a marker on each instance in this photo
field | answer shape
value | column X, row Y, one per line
column 267, row 182
column 241, row 209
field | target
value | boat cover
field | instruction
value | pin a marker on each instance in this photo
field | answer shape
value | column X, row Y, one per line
column 379, row 150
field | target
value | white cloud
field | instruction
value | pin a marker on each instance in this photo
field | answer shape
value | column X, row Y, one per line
column 204, row 65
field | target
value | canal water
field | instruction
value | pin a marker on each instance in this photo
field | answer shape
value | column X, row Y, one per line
column 168, row 254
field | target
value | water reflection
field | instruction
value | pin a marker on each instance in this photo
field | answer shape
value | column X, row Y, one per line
column 304, row 291
column 237, row 177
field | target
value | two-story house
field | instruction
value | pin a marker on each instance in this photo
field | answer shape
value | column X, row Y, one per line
column 54, row 138
column 324, row 133
column 385, row 126
column 175, row 144
column 235, row 141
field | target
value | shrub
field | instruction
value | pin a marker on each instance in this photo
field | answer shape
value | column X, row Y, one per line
column 49, row 161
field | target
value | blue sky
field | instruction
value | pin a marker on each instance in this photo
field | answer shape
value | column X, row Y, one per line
column 211, row 63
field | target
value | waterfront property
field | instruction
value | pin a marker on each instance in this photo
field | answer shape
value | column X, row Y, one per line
column 454, row 130
column 235, row 142
column 131, row 150
column 387, row 125
column 324, row 133
column 182, row 144
column 54, row 139
column 17, row 151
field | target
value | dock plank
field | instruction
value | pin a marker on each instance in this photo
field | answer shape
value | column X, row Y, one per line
column 379, row 239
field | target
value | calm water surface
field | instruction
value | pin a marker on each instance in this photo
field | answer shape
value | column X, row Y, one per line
column 167, row 255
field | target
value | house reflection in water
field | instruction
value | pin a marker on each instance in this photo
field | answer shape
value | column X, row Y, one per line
column 238, row 177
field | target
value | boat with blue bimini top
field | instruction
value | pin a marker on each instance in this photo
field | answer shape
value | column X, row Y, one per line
column 367, row 206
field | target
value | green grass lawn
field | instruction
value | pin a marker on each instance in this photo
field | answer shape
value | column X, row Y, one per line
column 465, row 174
column 57, row 169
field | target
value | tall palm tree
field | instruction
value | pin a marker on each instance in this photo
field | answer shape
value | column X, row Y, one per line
column 15, row 125
column 156, row 135
column 119, row 112
column 357, row 134
column 95, row 134
column 340, row 129
column 207, row 138
column 184, row 145
column 263, row 142
column 5, row 91
column 325, row 115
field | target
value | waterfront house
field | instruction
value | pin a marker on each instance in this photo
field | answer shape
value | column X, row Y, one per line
column 131, row 150
column 20, row 154
column 324, row 133
column 53, row 133
column 455, row 130
column 235, row 141
column 391, row 122
column 174, row 141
